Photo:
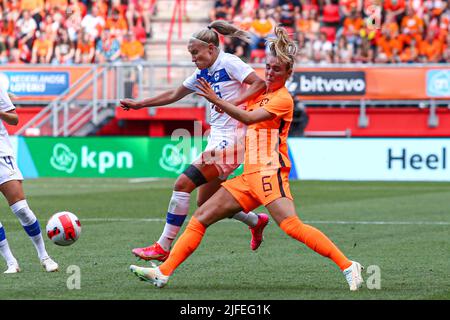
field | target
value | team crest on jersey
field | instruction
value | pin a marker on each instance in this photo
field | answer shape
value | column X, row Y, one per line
column 263, row 102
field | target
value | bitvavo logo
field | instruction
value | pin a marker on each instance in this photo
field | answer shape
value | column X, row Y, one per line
column 63, row 159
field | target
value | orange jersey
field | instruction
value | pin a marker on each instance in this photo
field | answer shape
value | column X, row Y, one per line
column 43, row 47
column 412, row 24
column 60, row 4
column 132, row 48
column 118, row 25
column 431, row 50
column 353, row 26
column 266, row 142
column 31, row 5
column 263, row 27
column 85, row 48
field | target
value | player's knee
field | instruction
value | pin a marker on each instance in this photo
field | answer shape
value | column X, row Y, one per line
column 195, row 176
column 183, row 184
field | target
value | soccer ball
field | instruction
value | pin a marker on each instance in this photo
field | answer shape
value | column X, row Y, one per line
column 63, row 228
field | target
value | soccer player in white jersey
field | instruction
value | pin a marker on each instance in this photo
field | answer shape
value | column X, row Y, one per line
column 229, row 76
column 11, row 187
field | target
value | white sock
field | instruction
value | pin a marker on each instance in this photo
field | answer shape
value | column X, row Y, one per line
column 250, row 219
column 5, row 251
column 31, row 226
column 176, row 214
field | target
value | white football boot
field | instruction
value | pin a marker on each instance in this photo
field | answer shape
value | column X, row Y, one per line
column 13, row 268
column 152, row 275
column 353, row 276
column 49, row 265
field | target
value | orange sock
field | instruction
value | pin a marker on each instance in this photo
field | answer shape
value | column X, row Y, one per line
column 315, row 240
column 184, row 247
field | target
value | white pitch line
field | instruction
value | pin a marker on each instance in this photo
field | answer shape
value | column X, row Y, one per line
column 306, row 221
column 382, row 222
column 434, row 223
column 141, row 180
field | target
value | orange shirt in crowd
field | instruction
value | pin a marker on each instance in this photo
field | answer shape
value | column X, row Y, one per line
column 42, row 47
column 396, row 43
column 431, row 50
column 31, row 5
column 392, row 28
column 85, row 47
column 413, row 24
column 60, row 4
column 353, row 25
column 131, row 49
column 383, row 44
column 118, row 25
column 304, row 25
column 9, row 28
column 409, row 54
column 262, row 27
column 13, row 6
column 388, row 46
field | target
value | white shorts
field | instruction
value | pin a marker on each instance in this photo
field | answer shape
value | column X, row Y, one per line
column 9, row 169
column 225, row 150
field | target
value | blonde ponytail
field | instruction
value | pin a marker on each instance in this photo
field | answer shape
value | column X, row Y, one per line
column 210, row 34
column 283, row 47
column 229, row 30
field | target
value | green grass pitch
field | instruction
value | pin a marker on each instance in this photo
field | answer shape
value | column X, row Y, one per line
column 402, row 228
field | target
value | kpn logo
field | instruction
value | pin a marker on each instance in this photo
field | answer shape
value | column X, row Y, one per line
column 176, row 158
column 66, row 160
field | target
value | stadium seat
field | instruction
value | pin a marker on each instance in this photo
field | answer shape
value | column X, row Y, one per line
column 330, row 32
column 257, row 55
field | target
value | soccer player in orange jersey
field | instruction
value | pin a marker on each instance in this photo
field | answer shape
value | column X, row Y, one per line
column 265, row 177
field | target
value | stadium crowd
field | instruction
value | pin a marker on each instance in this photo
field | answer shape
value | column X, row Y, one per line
column 73, row 31
column 344, row 31
column 327, row 31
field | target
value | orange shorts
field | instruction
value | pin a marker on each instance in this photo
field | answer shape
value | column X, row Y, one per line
column 260, row 188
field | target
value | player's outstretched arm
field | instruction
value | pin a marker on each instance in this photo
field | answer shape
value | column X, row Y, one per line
column 162, row 99
column 243, row 116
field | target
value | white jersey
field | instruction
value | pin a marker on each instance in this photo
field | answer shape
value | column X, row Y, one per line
column 226, row 77
column 5, row 105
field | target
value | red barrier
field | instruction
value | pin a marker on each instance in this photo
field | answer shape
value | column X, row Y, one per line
column 383, row 122
column 25, row 115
